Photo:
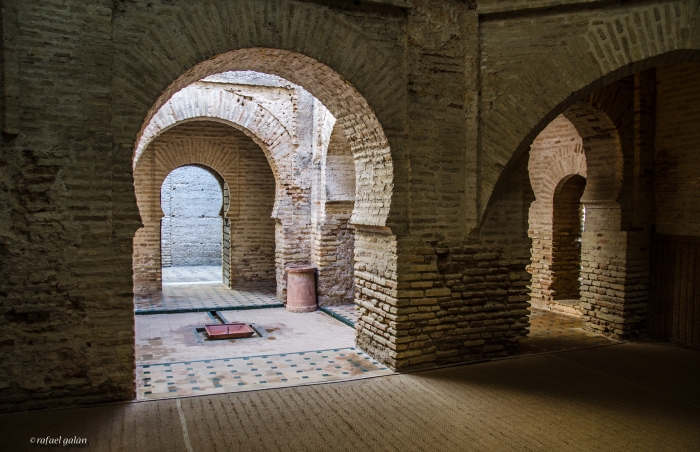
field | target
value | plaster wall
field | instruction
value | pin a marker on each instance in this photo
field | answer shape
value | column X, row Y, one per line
column 191, row 229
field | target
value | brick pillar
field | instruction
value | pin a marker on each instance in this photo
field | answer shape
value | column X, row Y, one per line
column 446, row 302
column 146, row 259
column 291, row 248
column 540, row 231
column 381, row 324
column 613, row 274
column 332, row 254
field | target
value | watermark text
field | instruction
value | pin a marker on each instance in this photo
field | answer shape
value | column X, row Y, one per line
column 59, row 441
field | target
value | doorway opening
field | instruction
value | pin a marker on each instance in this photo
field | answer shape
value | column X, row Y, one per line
column 256, row 169
column 191, row 237
column 567, row 226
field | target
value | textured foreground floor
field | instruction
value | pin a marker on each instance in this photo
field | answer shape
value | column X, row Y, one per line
column 627, row 397
column 193, row 297
column 170, row 338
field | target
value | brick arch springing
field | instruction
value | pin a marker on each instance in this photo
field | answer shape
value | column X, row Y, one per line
column 371, row 151
column 198, row 103
column 157, row 161
column 583, row 141
column 556, row 153
column 555, row 156
column 604, row 160
column 529, row 103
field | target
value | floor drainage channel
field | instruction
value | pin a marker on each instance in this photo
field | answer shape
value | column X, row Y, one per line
column 341, row 318
column 154, row 311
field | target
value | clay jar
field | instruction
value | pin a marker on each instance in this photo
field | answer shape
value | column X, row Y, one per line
column 301, row 289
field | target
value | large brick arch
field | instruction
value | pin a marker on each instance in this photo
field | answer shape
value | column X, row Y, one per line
column 555, row 154
column 524, row 88
column 199, row 103
column 602, row 148
column 163, row 47
column 583, row 141
column 149, row 175
column 160, row 159
column 371, row 152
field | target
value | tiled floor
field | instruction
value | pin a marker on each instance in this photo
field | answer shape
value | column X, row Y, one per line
column 174, row 358
column 178, row 275
column 346, row 313
column 188, row 297
column 167, row 338
column 551, row 331
column 255, row 372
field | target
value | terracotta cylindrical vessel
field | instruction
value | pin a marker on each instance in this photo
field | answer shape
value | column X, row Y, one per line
column 301, row 289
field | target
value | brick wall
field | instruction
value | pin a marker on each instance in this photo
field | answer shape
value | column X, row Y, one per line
column 334, row 200
column 674, row 311
column 249, row 228
column 606, row 146
column 677, row 144
column 65, row 287
column 438, row 105
column 455, row 300
column 536, row 64
column 555, row 156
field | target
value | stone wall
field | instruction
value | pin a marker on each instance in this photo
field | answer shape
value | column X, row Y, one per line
column 191, row 229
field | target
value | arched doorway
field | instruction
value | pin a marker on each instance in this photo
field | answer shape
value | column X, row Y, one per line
column 567, row 226
column 300, row 215
column 370, row 151
column 631, row 140
column 191, row 236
